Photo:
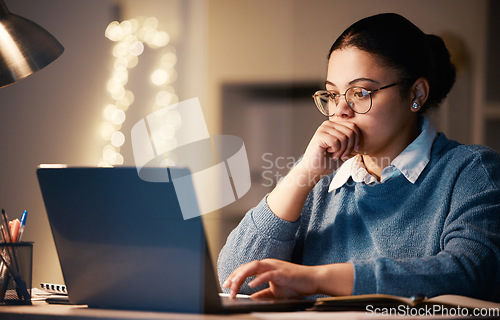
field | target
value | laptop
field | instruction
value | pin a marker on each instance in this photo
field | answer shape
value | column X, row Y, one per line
column 122, row 243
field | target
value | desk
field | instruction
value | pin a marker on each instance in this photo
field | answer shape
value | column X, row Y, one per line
column 43, row 311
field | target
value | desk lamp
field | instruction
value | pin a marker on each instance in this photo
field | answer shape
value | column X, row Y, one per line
column 25, row 47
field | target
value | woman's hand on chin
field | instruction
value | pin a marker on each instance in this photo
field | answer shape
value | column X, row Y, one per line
column 333, row 141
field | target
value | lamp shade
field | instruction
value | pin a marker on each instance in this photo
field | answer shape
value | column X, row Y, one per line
column 25, row 47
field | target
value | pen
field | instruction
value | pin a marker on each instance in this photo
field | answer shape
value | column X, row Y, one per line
column 2, row 233
column 23, row 224
column 8, row 238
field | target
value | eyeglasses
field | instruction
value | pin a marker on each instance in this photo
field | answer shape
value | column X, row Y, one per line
column 358, row 99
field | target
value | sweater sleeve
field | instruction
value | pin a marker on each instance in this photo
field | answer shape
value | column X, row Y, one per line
column 469, row 261
column 260, row 234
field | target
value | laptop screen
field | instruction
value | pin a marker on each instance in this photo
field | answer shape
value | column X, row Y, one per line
column 122, row 242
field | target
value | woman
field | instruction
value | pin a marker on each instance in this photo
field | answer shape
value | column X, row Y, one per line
column 407, row 212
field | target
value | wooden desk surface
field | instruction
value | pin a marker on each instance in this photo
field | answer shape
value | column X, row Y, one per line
column 43, row 311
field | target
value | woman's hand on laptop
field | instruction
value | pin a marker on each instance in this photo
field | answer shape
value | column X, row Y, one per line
column 289, row 280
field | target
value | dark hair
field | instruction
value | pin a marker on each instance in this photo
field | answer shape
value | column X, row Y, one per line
column 401, row 45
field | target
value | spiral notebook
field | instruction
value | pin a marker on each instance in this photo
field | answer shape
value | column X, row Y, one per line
column 123, row 243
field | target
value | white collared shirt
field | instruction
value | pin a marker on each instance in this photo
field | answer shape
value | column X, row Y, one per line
column 411, row 162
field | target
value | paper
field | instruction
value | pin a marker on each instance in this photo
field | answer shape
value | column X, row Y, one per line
column 42, row 295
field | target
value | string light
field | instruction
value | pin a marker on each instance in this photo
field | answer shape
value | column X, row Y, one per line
column 130, row 37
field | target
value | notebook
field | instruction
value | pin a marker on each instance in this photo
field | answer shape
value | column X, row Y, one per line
column 123, row 243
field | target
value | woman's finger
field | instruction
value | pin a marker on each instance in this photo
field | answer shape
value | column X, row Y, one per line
column 347, row 136
column 238, row 277
column 263, row 294
column 268, row 276
column 336, row 143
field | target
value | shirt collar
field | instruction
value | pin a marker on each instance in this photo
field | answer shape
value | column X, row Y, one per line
column 411, row 162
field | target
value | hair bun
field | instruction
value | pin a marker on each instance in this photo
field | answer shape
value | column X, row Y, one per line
column 443, row 70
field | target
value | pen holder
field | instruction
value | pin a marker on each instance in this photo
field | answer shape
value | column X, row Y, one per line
column 16, row 262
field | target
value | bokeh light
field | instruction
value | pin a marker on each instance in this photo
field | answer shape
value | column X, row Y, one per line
column 130, row 37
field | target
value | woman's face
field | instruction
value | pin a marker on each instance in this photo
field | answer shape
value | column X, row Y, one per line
column 390, row 125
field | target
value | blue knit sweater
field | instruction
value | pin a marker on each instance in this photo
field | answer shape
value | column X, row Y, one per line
column 440, row 235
